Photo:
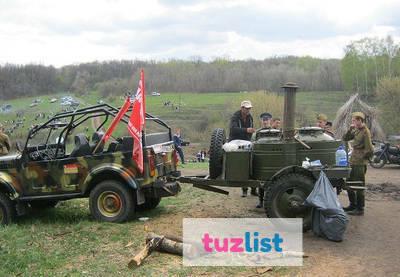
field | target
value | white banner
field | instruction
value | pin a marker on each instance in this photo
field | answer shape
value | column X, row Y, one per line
column 242, row 242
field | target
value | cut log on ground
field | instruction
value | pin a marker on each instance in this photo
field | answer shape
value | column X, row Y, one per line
column 150, row 246
column 169, row 244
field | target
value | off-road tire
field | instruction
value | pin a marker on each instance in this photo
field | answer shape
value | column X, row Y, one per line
column 43, row 204
column 218, row 139
column 7, row 210
column 112, row 201
column 374, row 164
column 293, row 186
column 151, row 203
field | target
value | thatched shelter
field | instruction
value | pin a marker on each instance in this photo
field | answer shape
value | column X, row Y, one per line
column 343, row 118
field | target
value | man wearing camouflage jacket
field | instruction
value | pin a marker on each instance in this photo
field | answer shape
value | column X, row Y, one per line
column 362, row 151
column 4, row 142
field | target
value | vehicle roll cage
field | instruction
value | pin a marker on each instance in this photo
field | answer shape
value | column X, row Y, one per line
column 79, row 116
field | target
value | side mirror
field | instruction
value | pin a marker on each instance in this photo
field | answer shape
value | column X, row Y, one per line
column 18, row 146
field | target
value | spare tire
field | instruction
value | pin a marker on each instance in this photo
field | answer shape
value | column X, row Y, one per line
column 218, row 139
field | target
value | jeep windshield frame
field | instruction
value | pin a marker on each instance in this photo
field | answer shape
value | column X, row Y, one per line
column 72, row 119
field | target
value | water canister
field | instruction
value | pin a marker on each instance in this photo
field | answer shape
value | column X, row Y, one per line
column 341, row 157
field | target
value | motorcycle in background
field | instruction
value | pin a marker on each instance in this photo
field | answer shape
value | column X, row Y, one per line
column 384, row 154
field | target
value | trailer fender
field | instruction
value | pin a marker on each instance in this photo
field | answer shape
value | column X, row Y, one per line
column 292, row 169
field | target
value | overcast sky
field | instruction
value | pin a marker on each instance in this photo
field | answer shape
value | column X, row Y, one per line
column 60, row 32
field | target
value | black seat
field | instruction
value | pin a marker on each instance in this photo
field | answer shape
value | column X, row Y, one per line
column 126, row 144
column 157, row 138
column 112, row 147
column 394, row 150
column 82, row 147
column 96, row 138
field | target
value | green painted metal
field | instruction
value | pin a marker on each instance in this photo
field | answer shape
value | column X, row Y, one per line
column 269, row 158
column 236, row 166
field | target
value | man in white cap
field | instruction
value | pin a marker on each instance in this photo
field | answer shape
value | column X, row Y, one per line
column 241, row 127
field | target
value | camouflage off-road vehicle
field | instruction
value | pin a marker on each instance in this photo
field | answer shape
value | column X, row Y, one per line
column 62, row 160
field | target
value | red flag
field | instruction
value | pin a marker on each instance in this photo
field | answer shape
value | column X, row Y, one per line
column 137, row 122
column 114, row 123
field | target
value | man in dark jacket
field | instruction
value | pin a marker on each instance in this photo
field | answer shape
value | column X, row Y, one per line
column 178, row 145
column 241, row 127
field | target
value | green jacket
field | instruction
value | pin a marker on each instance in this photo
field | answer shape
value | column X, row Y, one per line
column 361, row 143
column 4, row 144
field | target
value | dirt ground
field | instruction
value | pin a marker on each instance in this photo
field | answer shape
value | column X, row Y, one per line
column 371, row 246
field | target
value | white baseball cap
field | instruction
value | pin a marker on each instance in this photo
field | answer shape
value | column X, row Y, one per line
column 246, row 104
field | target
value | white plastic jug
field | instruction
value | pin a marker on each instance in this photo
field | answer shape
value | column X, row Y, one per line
column 341, row 156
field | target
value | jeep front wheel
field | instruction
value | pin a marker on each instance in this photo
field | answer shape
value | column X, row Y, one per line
column 7, row 210
column 111, row 201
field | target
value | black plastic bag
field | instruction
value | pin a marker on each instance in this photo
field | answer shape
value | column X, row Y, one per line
column 328, row 218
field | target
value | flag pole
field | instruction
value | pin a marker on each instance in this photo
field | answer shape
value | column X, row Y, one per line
column 144, row 109
column 124, row 108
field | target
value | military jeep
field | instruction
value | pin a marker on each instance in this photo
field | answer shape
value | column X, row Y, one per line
column 62, row 160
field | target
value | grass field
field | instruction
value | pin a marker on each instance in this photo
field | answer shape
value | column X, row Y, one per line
column 65, row 241
column 327, row 102
column 196, row 114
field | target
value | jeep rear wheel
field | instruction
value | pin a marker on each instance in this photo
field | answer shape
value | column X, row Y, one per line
column 151, row 203
column 7, row 210
column 218, row 139
column 285, row 196
column 111, row 201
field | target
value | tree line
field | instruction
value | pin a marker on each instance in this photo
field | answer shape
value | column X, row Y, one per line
column 195, row 75
column 367, row 61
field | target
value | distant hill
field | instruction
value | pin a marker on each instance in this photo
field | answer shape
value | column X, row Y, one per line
column 115, row 77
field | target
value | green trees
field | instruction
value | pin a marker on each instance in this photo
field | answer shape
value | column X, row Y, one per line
column 195, row 75
column 28, row 80
column 367, row 61
column 388, row 93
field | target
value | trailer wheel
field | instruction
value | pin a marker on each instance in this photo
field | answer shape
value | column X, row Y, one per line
column 7, row 210
column 151, row 203
column 111, row 201
column 285, row 196
column 218, row 139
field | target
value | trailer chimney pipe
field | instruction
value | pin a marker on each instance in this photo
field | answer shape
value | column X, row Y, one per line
column 289, row 110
